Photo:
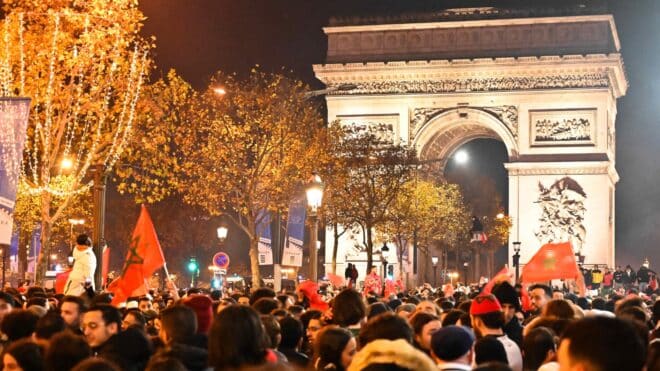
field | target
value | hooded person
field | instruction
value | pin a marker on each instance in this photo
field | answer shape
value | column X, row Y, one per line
column 397, row 354
column 510, row 302
column 84, row 266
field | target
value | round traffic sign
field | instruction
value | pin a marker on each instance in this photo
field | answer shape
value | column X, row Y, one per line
column 221, row 260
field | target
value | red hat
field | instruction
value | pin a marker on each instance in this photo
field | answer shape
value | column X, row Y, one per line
column 483, row 304
column 203, row 307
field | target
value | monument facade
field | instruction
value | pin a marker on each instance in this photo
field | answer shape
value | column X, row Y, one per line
column 544, row 85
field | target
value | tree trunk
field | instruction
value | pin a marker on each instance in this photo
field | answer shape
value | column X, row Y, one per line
column 335, row 247
column 23, row 243
column 41, row 265
column 254, row 262
column 254, row 255
column 370, row 250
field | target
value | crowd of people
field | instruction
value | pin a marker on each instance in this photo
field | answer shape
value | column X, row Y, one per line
column 421, row 329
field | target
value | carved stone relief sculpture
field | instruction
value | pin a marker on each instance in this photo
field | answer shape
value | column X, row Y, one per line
column 507, row 114
column 562, row 213
column 571, row 127
column 383, row 127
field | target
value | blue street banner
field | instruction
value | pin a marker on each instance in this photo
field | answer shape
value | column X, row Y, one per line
column 293, row 249
column 14, row 114
column 265, row 240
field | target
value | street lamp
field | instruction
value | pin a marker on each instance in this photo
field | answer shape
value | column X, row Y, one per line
column 434, row 260
column 465, row 272
column 516, row 258
column 222, row 233
column 314, row 199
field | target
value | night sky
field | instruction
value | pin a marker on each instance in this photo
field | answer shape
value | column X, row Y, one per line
column 199, row 37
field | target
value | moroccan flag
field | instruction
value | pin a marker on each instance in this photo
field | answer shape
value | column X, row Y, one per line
column 552, row 261
column 335, row 280
column 311, row 290
column 143, row 259
column 501, row 276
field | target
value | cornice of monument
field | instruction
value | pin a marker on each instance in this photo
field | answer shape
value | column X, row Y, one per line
column 561, row 168
column 479, row 23
column 479, row 74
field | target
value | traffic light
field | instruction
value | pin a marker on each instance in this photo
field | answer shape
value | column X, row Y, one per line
column 192, row 265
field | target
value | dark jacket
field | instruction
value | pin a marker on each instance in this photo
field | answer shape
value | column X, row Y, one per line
column 618, row 276
column 295, row 357
column 194, row 358
column 514, row 331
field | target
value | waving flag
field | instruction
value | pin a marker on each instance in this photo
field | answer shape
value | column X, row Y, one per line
column 143, row 259
column 552, row 261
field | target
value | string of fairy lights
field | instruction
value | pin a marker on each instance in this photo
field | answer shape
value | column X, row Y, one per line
column 82, row 108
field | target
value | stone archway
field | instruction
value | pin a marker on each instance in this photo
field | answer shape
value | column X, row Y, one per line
column 546, row 85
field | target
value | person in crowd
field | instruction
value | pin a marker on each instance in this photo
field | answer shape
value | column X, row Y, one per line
column 96, row 364
column 48, row 326
column 129, row 349
column 178, row 331
column 452, row 348
column 23, row 355
column 262, row 292
column 7, row 303
column 385, row 326
column 608, row 281
column 334, row 349
column 539, row 295
column 601, row 343
column 348, row 273
column 406, row 310
column 510, row 301
column 644, row 276
column 100, row 322
column 397, row 355
column 266, row 305
column 292, row 336
column 273, row 336
column 145, row 303
column 539, row 349
column 66, row 350
column 617, row 278
column 349, row 310
column 249, row 349
column 84, row 265
column 72, row 309
column 629, row 277
column 158, row 363
column 134, row 318
column 429, row 307
column 487, row 319
column 376, row 309
column 424, row 326
column 489, row 349
column 19, row 324
column 203, row 307
column 312, row 323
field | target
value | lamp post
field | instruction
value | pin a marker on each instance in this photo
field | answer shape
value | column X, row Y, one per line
column 465, row 272
column 384, row 253
column 314, row 199
column 516, row 258
column 434, row 260
column 222, row 232
column 73, row 222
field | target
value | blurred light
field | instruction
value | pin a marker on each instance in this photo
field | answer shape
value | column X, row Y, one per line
column 500, row 216
column 222, row 232
column 219, row 90
column 461, row 157
column 66, row 164
column 314, row 192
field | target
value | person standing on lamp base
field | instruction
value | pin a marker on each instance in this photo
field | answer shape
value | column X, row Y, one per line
column 84, row 266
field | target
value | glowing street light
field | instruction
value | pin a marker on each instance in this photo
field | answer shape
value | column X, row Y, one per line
column 222, row 232
column 66, row 164
column 461, row 157
column 499, row 216
column 314, row 199
column 219, row 90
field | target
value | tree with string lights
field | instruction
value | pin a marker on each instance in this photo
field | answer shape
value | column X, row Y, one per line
column 83, row 64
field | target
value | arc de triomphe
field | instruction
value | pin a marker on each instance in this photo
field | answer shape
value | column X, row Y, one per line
column 546, row 86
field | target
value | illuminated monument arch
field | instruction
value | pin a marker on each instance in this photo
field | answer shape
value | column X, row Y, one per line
column 545, row 85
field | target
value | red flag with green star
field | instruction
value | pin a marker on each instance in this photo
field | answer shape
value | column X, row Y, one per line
column 143, row 259
column 552, row 261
